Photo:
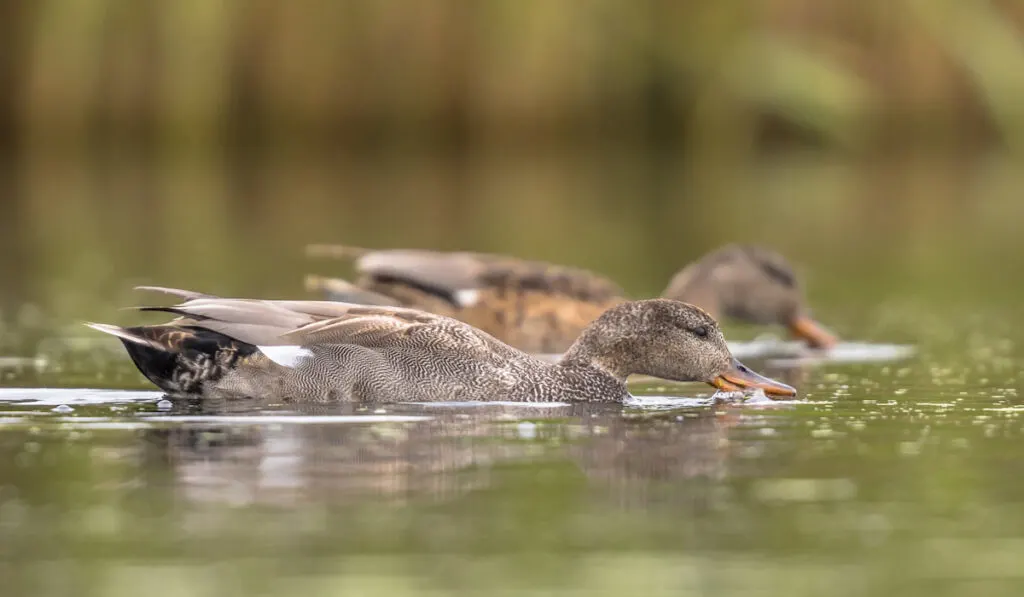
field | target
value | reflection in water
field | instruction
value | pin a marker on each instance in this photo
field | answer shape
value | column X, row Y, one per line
column 445, row 456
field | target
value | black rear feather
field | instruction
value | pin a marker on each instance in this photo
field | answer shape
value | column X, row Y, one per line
column 188, row 357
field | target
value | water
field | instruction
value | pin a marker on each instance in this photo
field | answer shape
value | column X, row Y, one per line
column 898, row 472
column 886, row 478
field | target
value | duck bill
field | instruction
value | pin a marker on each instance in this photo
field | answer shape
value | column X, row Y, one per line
column 739, row 377
column 812, row 332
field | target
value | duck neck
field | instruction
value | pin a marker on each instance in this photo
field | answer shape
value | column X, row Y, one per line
column 584, row 354
column 582, row 367
column 587, row 382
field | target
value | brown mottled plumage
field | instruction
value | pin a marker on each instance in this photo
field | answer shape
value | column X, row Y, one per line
column 325, row 351
column 541, row 308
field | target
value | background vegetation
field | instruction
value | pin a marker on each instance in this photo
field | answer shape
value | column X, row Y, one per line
column 707, row 75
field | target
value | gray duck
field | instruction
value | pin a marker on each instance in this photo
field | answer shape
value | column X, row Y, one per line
column 319, row 351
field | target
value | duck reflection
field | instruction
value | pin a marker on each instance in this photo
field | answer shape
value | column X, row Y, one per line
column 326, row 454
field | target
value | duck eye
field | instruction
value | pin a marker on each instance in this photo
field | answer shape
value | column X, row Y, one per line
column 701, row 331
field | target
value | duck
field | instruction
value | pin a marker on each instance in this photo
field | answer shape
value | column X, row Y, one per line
column 541, row 307
column 327, row 351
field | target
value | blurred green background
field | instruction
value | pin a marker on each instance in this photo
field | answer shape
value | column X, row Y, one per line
column 703, row 76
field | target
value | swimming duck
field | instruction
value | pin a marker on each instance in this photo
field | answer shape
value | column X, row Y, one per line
column 541, row 308
column 329, row 351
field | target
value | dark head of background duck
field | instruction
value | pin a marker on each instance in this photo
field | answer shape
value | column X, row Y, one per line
column 751, row 284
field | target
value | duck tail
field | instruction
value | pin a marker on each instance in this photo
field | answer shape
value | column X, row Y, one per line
column 343, row 291
column 336, row 251
column 179, row 360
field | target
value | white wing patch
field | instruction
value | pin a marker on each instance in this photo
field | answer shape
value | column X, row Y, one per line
column 286, row 356
column 467, row 297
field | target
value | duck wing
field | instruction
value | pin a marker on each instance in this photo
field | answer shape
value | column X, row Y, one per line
column 459, row 276
column 309, row 323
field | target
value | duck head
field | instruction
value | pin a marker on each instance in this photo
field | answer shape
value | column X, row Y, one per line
column 751, row 284
column 667, row 339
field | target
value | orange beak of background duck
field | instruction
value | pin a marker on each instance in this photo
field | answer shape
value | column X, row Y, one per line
column 812, row 332
column 740, row 377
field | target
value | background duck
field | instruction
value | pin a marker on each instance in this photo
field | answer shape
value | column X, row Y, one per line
column 541, row 307
column 329, row 351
